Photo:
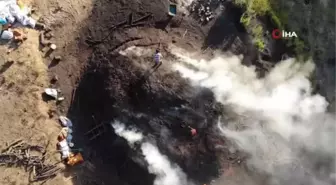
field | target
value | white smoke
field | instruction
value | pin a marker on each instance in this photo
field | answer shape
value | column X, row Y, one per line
column 160, row 165
column 166, row 173
column 282, row 117
column 129, row 134
column 134, row 51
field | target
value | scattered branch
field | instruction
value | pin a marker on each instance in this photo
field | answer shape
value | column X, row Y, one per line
column 19, row 153
column 128, row 23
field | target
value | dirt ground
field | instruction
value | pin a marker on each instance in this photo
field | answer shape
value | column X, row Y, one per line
column 25, row 115
column 24, row 75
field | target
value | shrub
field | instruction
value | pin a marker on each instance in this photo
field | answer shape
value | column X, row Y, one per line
column 240, row 2
column 299, row 45
column 260, row 7
column 279, row 17
column 245, row 19
column 276, row 19
column 259, row 43
column 258, row 31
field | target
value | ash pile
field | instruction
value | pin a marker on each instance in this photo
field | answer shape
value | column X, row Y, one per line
column 204, row 10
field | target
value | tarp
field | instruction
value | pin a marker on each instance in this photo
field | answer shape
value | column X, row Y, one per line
column 5, row 6
column 11, row 11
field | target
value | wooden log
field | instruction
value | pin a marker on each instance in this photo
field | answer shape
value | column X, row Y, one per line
column 124, row 42
column 130, row 18
column 14, row 144
column 136, row 25
column 143, row 18
column 94, row 128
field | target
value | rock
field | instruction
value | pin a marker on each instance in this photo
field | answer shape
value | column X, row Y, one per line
column 51, row 113
column 40, row 26
column 49, row 35
column 54, row 79
column 9, row 51
column 47, row 30
column 53, row 46
column 60, row 99
column 57, row 58
column 45, row 49
column 2, row 80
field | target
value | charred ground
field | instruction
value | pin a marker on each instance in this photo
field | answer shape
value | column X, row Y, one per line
column 117, row 91
column 111, row 87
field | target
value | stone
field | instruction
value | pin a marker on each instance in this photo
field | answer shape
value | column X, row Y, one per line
column 57, row 58
column 49, row 35
column 54, row 79
column 53, row 46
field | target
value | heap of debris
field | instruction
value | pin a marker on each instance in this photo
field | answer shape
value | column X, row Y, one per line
column 31, row 157
column 204, row 9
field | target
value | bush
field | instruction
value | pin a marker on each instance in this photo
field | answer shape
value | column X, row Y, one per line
column 276, row 20
column 260, row 7
column 240, row 2
column 279, row 17
column 253, row 9
column 259, row 43
column 245, row 19
column 258, row 31
column 299, row 45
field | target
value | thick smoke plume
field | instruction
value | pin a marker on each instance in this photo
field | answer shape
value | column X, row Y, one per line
column 276, row 120
column 158, row 164
column 129, row 134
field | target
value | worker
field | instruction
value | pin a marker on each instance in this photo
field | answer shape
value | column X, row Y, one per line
column 157, row 59
column 63, row 147
column 193, row 131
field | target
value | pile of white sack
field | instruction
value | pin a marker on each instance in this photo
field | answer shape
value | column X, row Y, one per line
column 11, row 12
column 66, row 143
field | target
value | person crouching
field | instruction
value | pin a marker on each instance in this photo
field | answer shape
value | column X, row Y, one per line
column 157, row 59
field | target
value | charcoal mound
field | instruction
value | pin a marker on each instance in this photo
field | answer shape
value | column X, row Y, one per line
column 160, row 106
